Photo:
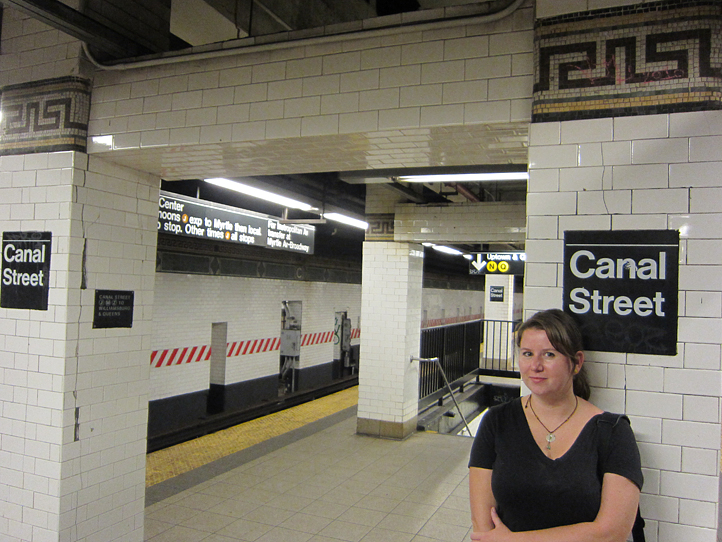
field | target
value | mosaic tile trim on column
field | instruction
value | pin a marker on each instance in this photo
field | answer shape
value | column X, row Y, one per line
column 45, row 116
column 643, row 59
column 381, row 227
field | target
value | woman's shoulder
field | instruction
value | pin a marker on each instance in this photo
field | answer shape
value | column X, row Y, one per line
column 506, row 410
column 501, row 417
column 590, row 411
column 508, row 406
column 614, row 423
column 615, row 428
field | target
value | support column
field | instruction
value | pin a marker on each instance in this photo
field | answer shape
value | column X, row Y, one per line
column 498, row 309
column 73, row 391
column 499, row 302
column 391, row 320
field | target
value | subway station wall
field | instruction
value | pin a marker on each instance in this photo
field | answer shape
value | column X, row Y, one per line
column 444, row 307
column 187, row 306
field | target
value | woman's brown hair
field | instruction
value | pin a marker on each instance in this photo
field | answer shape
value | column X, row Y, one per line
column 566, row 338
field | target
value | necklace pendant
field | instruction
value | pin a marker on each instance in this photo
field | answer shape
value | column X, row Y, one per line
column 550, row 438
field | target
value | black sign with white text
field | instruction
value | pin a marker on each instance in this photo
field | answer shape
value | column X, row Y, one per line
column 113, row 308
column 25, row 270
column 496, row 293
column 622, row 287
column 190, row 217
column 497, row 263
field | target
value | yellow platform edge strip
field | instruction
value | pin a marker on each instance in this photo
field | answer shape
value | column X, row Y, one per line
column 169, row 462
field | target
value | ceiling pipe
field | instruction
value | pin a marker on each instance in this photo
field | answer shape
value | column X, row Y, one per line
column 464, row 191
column 223, row 52
column 78, row 25
column 406, row 192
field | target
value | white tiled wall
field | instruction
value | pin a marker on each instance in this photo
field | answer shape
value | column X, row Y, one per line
column 391, row 316
column 438, row 304
column 392, row 80
column 460, row 222
column 186, row 306
column 62, row 481
column 32, row 51
column 659, row 174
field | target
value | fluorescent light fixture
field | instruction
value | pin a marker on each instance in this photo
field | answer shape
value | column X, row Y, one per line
column 468, row 256
column 347, row 220
column 260, row 194
column 106, row 140
column 427, row 244
column 447, row 250
column 467, row 177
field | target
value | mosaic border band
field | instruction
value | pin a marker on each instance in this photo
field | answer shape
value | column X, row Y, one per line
column 381, row 227
column 651, row 58
column 45, row 116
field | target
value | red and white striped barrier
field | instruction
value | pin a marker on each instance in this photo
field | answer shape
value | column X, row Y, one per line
column 241, row 348
column 178, row 356
column 316, row 338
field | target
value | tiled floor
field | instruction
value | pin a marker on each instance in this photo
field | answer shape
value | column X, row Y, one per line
column 320, row 483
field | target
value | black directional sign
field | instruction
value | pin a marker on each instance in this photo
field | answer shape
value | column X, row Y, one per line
column 497, row 263
column 190, row 217
column 113, row 308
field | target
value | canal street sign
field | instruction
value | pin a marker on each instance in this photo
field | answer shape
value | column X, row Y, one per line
column 25, row 270
column 622, row 287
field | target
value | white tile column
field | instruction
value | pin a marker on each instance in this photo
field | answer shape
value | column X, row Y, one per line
column 391, row 333
column 499, row 310
column 74, row 398
column 650, row 172
column 499, row 352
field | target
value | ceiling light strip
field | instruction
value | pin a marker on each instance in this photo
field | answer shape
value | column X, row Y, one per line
column 260, row 194
column 466, row 177
column 338, row 217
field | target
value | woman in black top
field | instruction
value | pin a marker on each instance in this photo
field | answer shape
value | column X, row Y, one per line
column 533, row 471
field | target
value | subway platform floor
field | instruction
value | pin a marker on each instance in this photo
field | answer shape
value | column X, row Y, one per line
column 312, row 479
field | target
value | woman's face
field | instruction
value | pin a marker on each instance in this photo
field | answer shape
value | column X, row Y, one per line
column 543, row 369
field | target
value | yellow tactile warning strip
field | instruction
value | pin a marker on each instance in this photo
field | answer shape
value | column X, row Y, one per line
column 184, row 457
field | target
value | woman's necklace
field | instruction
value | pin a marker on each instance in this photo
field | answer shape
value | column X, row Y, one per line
column 551, row 437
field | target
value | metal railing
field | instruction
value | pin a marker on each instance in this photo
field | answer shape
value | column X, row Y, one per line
column 498, row 351
column 456, row 346
column 437, row 365
column 483, row 347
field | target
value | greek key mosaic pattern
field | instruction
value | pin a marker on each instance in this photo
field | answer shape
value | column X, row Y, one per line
column 381, row 227
column 45, row 116
column 657, row 57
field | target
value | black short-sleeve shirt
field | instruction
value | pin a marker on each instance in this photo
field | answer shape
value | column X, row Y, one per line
column 533, row 491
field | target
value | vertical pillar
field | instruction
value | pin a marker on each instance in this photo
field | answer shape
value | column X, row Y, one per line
column 391, row 319
column 73, row 394
column 219, row 367
column 499, row 308
column 499, row 302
